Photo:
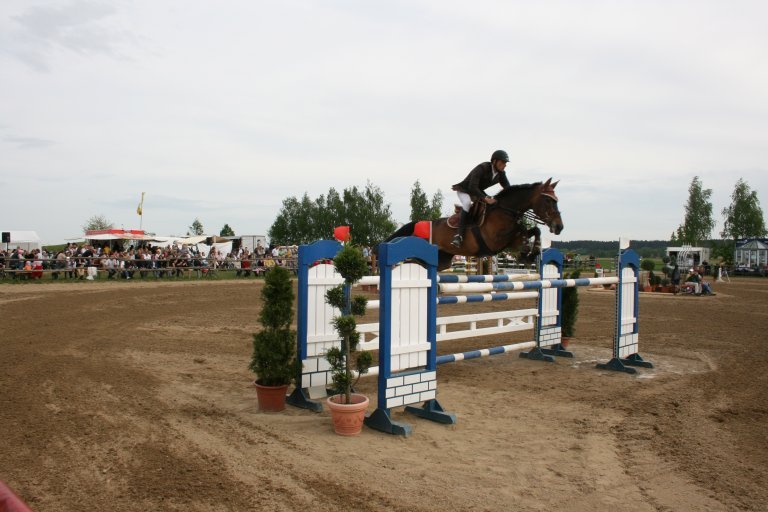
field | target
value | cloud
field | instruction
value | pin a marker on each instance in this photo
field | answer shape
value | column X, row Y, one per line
column 79, row 26
column 29, row 142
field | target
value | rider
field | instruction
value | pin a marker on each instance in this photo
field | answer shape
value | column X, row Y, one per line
column 474, row 185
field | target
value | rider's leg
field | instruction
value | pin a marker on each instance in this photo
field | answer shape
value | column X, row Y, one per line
column 466, row 202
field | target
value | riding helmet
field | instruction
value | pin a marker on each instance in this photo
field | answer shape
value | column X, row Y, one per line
column 500, row 154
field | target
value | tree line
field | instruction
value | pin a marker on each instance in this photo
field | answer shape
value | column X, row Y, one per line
column 743, row 218
column 304, row 220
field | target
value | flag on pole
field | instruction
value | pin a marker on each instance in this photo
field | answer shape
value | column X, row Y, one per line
column 140, row 210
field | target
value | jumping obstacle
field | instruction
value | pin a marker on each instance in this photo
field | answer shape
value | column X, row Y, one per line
column 316, row 334
column 408, row 324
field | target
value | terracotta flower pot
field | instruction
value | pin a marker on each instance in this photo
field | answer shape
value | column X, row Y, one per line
column 565, row 341
column 271, row 398
column 348, row 418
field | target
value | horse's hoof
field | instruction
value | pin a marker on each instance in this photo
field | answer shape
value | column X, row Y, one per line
column 456, row 242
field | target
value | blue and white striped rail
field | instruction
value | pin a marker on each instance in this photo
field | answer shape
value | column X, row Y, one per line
column 448, row 278
column 463, row 299
column 484, row 352
column 471, row 354
column 461, row 279
column 524, row 285
column 486, row 297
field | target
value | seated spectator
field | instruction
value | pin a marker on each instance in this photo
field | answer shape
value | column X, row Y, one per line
column 109, row 265
column 230, row 263
column 694, row 280
column 17, row 263
column 37, row 265
column 182, row 262
column 59, row 264
column 27, row 269
column 245, row 264
column 69, row 264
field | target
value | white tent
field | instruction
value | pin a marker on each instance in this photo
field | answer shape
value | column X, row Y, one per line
column 193, row 240
column 27, row 240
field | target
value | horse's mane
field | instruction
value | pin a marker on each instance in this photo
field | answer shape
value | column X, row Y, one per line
column 513, row 189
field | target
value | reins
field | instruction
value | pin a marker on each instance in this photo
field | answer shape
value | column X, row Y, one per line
column 528, row 214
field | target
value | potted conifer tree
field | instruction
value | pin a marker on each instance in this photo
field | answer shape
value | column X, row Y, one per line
column 347, row 364
column 648, row 265
column 274, row 347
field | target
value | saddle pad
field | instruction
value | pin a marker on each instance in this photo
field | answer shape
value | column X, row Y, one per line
column 476, row 216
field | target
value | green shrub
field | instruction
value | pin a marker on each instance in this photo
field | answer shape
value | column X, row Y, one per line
column 570, row 307
column 647, row 264
column 274, row 348
column 351, row 264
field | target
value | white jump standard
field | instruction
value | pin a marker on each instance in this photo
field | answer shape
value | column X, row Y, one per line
column 315, row 331
column 407, row 334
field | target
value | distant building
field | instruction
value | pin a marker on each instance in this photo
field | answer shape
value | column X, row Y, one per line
column 248, row 241
column 751, row 252
column 688, row 256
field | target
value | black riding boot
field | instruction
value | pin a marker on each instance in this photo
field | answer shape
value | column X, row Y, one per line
column 459, row 238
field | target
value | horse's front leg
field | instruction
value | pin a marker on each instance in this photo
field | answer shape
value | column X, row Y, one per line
column 535, row 232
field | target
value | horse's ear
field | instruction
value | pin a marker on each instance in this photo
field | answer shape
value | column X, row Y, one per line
column 555, row 183
column 546, row 183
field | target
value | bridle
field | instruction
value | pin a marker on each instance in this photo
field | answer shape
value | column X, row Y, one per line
column 527, row 214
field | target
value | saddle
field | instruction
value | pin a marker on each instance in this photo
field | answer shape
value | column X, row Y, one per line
column 476, row 215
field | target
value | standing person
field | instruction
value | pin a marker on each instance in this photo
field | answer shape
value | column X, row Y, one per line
column 16, row 262
column 675, row 279
column 472, row 188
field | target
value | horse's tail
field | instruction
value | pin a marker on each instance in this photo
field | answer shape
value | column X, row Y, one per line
column 405, row 230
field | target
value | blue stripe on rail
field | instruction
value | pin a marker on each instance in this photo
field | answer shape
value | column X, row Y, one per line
column 460, row 299
column 447, row 278
column 554, row 283
column 503, row 284
column 474, row 354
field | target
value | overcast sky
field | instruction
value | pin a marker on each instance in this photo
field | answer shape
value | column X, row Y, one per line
column 220, row 110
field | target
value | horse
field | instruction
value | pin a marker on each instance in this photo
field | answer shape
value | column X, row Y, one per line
column 503, row 226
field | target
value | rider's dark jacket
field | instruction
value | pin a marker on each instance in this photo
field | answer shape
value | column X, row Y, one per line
column 480, row 178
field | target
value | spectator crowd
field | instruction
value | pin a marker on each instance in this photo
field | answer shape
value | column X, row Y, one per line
column 87, row 262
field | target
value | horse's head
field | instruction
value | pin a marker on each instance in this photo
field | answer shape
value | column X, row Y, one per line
column 539, row 198
column 544, row 205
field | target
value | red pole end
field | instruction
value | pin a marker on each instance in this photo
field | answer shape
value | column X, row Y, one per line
column 341, row 233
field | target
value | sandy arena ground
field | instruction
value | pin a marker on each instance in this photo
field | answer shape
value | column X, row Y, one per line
column 136, row 396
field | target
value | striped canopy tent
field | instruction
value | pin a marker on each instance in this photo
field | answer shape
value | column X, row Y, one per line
column 114, row 234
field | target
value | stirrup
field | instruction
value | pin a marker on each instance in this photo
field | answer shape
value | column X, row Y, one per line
column 456, row 242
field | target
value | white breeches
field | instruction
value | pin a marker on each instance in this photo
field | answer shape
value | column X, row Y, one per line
column 465, row 201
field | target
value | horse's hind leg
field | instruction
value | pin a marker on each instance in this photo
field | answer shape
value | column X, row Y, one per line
column 444, row 260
